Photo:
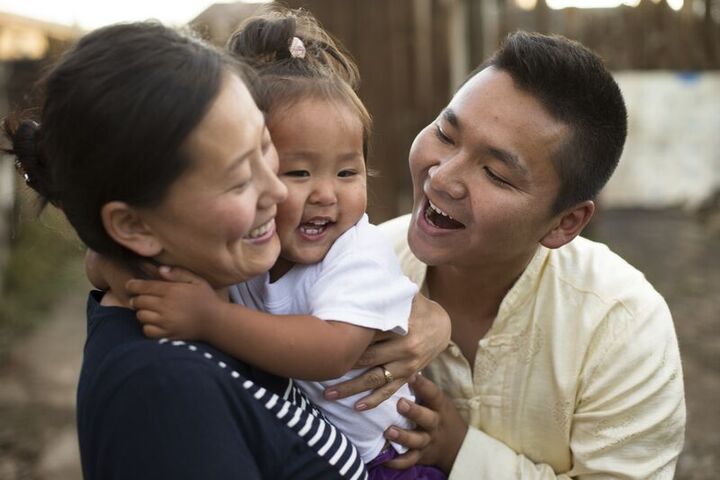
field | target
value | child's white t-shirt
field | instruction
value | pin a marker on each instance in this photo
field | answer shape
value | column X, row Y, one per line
column 359, row 282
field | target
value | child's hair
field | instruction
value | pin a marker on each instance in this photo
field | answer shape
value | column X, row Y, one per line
column 324, row 70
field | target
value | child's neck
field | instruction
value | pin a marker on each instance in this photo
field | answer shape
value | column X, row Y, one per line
column 281, row 267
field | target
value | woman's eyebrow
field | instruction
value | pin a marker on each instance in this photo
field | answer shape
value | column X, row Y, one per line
column 239, row 160
column 449, row 116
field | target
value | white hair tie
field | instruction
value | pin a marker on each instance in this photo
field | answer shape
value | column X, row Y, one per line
column 297, row 48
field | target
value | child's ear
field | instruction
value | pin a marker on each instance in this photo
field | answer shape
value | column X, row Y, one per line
column 125, row 225
column 569, row 224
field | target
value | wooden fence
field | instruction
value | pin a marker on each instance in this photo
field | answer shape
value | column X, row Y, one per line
column 413, row 53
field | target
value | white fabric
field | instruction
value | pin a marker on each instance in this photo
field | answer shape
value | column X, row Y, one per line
column 359, row 282
column 578, row 377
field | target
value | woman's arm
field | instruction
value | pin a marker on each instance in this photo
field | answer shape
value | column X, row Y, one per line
column 402, row 356
column 297, row 346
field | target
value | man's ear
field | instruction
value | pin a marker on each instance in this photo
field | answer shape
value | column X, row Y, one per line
column 569, row 224
column 125, row 225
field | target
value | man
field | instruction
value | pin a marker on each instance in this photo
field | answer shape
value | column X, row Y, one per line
column 564, row 361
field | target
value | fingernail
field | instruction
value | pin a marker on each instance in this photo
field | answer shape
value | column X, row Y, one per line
column 164, row 269
column 332, row 394
column 361, row 406
column 392, row 433
column 403, row 406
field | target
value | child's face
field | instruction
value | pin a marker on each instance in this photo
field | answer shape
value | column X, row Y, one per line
column 320, row 146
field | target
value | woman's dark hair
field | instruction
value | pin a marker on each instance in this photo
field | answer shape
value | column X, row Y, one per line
column 574, row 86
column 326, row 71
column 117, row 108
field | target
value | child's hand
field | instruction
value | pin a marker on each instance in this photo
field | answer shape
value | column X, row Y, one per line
column 180, row 308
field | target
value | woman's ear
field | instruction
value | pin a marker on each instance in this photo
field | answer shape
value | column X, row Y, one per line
column 125, row 225
column 569, row 224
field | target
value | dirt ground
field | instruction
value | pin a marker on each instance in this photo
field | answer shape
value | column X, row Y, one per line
column 679, row 254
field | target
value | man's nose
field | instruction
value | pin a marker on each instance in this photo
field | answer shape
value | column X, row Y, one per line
column 447, row 178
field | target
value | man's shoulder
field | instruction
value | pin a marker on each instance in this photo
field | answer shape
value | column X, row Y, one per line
column 592, row 269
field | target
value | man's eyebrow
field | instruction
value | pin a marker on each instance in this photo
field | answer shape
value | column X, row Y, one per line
column 449, row 115
column 509, row 159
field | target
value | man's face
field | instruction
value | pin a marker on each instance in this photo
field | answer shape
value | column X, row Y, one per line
column 483, row 177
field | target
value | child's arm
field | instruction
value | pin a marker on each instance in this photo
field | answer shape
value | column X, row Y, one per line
column 297, row 346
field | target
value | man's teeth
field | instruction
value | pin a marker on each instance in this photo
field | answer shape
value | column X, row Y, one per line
column 437, row 210
column 261, row 230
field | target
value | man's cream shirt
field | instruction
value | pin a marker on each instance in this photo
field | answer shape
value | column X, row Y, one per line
column 579, row 376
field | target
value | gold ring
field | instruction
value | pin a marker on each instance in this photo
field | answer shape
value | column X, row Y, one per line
column 388, row 376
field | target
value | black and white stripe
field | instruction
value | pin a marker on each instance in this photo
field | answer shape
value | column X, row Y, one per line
column 300, row 415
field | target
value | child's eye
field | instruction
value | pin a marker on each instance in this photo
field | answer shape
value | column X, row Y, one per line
column 347, row 173
column 297, row 173
column 442, row 136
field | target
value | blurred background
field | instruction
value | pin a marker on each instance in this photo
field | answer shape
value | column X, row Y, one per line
column 661, row 210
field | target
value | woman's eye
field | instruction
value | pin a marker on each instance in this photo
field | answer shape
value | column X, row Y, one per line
column 347, row 173
column 240, row 186
column 494, row 178
column 297, row 173
column 442, row 136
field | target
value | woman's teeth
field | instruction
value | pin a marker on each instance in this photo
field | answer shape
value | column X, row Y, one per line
column 261, row 230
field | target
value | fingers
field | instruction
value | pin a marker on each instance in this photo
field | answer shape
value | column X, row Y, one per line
column 379, row 395
column 146, row 287
column 177, row 274
column 146, row 302
column 427, row 393
column 413, row 439
column 378, row 354
column 424, row 417
column 153, row 331
column 406, row 460
column 148, row 317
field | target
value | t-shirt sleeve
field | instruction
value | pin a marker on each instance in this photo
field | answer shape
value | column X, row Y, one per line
column 364, row 288
column 174, row 423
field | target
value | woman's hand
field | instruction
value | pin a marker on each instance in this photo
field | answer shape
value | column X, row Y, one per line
column 439, row 431
column 183, row 307
column 401, row 356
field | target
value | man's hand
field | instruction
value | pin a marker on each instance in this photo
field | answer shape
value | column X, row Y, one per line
column 439, row 431
column 181, row 307
column 401, row 356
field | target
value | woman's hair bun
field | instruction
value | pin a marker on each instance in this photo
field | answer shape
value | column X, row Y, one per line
column 30, row 162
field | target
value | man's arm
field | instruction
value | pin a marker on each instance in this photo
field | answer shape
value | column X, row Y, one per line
column 629, row 418
column 628, row 422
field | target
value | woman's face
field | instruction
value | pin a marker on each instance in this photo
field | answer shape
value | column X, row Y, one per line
column 218, row 219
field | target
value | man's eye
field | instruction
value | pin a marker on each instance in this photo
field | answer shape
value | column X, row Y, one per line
column 495, row 179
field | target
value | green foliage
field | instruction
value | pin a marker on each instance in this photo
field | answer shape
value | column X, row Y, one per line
column 45, row 260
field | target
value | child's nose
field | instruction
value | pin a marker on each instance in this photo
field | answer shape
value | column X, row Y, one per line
column 323, row 193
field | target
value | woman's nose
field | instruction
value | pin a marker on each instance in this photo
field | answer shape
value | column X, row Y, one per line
column 446, row 177
column 323, row 193
column 272, row 190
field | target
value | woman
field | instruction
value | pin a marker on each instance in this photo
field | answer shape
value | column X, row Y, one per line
column 152, row 146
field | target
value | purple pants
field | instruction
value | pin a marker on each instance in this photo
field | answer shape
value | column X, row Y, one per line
column 377, row 471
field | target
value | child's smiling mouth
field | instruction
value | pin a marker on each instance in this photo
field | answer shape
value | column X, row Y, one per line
column 315, row 228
